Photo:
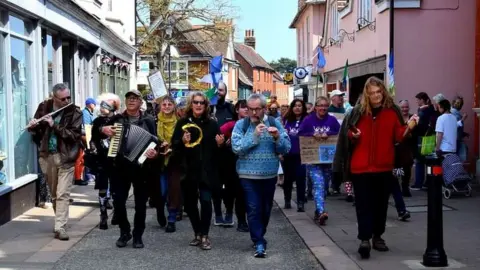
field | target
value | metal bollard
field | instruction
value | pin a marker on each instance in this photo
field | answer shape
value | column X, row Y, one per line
column 435, row 255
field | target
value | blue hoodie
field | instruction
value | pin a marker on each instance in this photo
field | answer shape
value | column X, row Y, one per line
column 258, row 155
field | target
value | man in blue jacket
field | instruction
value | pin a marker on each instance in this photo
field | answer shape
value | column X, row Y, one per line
column 258, row 140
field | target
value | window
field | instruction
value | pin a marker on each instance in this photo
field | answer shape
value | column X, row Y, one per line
column 258, row 75
column 334, row 20
column 364, row 12
column 16, row 146
column 3, row 111
column 110, row 5
column 178, row 73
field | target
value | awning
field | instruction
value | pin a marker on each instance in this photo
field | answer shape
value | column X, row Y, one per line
column 370, row 66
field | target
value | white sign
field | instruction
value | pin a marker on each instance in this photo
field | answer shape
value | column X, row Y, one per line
column 157, row 84
column 144, row 68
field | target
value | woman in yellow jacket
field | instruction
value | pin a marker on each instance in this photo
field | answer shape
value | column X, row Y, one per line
column 170, row 180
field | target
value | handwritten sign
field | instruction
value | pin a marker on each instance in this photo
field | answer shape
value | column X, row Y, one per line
column 157, row 84
column 88, row 134
column 313, row 151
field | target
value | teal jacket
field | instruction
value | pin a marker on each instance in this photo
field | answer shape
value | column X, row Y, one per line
column 258, row 155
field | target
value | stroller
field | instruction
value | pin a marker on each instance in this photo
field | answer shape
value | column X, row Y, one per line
column 455, row 177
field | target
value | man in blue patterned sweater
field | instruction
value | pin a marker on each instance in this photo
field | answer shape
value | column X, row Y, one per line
column 258, row 140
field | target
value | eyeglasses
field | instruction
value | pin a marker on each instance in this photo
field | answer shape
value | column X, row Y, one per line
column 132, row 98
column 273, row 109
column 196, row 102
column 63, row 99
column 254, row 110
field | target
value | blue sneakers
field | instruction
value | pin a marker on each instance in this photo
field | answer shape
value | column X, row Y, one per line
column 260, row 251
column 219, row 221
column 228, row 221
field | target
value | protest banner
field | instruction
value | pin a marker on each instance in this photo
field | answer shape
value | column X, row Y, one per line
column 314, row 151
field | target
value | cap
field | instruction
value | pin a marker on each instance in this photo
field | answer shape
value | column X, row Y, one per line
column 90, row 101
column 337, row 92
column 133, row 92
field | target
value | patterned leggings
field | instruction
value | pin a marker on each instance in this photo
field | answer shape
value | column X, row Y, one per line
column 349, row 188
column 321, row 176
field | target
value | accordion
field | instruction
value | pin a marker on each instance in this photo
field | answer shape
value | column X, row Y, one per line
column 131, row 142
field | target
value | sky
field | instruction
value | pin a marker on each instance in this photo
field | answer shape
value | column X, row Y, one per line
column 270, row 19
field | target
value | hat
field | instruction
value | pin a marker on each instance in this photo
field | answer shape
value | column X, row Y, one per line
column 337, row 93
column 90, row 101
column 133, row 92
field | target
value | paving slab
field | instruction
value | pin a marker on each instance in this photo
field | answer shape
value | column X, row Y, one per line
column 406, row 240
column 230, row 249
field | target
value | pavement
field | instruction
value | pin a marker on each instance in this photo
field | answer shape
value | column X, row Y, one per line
column 336, row 243
column 295, row 242
column 27, row 243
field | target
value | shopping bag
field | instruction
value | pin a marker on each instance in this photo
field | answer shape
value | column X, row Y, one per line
column 428, row 145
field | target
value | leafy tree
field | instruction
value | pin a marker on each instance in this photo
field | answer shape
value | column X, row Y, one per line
column 284, row 65
column 156, row 17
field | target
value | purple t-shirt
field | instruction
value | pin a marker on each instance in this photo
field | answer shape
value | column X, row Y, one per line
column 313, row 125
column 292, row 128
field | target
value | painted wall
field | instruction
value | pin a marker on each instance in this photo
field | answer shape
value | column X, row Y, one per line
column 306, row 46
column 367, row 43
column 435, row 52
column 264, row 81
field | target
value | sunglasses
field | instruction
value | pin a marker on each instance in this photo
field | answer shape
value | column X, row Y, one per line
column 63, row 99
column 196, row 102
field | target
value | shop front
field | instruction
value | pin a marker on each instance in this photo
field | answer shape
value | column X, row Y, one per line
column 43, row 43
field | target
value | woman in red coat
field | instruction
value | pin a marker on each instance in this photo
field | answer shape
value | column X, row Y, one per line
column 372, row 129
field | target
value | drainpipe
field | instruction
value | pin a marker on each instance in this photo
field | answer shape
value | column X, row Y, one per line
column 392, row 10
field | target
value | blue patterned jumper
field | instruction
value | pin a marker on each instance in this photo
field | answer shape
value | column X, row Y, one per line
column 258, row 155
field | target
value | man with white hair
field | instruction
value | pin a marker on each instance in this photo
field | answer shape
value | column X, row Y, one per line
column 337, row 99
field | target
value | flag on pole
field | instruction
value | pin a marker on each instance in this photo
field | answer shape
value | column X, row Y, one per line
column 321, row 61
column 345, row 77
column 391, row 79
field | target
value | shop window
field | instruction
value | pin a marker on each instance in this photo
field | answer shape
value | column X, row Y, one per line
column 20, row 64
column 3, row 121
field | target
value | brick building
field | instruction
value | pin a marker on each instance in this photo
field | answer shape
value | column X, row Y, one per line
column 256, row 70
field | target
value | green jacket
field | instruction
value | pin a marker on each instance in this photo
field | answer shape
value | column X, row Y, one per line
column 343, row 154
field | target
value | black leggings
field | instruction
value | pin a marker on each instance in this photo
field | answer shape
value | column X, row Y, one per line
column 200, row 220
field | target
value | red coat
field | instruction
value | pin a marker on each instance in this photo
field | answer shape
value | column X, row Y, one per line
column 374, row 151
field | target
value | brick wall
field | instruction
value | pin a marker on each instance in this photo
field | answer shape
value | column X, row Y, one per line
column 264, row 82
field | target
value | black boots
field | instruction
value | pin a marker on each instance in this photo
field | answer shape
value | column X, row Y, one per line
column 123, row 240
column 103, row 213
column 162, row 221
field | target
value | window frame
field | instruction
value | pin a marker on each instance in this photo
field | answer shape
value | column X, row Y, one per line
column 334, row 21
column 365, row 11
column 175, row 73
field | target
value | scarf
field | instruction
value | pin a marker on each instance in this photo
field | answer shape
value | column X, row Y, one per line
column 166, row 126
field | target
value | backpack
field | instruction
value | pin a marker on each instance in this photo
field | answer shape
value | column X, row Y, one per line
column 246, row 123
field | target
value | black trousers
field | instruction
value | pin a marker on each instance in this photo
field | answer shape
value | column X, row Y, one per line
column 120, row 187
column 192, row 193
column 372, row 191
column 293, row 172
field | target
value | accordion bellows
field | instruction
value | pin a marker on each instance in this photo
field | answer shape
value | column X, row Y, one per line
column 131, row 142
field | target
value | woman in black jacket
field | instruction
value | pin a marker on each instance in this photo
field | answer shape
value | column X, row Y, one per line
column 198, row 155
column 109, row 104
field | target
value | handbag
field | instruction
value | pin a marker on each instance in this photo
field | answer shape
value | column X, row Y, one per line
column 428, row 143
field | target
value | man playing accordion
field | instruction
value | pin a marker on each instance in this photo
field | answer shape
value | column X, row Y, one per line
column 127, row 173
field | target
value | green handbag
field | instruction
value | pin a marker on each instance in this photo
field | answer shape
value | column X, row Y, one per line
column 428, row 145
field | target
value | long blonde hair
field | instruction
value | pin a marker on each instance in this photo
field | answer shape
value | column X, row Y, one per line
column 387, row 100
column 189, row 108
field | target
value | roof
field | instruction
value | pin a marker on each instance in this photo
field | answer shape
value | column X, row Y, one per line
column 277, row 77
column 244, row 79
column 195, row 37
column 251, row 56
column 303, row 8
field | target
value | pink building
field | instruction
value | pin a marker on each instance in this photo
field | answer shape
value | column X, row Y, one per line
column 434, row 45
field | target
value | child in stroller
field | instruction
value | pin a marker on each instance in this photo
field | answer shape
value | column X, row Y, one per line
column 455, row 177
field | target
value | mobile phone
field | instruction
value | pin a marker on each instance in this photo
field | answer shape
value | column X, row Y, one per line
column 353, row 129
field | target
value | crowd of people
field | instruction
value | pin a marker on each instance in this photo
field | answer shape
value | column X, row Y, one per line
column 209, row 155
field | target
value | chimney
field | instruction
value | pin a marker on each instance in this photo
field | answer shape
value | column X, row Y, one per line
column 249, row 38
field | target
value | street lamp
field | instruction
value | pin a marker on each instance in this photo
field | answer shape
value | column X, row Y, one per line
column 169, row 32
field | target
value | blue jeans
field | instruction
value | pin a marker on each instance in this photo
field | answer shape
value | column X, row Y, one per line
column 321, row 174
column 397, row 195
column 462, row 150
column 259, row 199
column 419, row 173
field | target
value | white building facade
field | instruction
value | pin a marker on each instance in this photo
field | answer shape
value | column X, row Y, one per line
column 86, row 44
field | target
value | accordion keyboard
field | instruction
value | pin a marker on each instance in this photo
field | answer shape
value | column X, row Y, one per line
column 116, row 141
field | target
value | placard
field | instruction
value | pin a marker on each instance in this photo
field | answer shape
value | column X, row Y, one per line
column 314, row 151
column 88, row 134
column 157, row 84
